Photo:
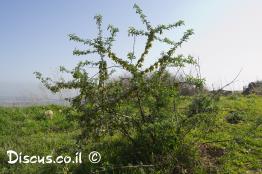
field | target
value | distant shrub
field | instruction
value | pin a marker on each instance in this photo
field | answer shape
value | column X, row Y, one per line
column 235, row 117
column 235, row 96
column 202, row 104
column 253, row 88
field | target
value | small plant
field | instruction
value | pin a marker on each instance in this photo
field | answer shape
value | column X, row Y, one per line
column 202, row 103
column 235, row 117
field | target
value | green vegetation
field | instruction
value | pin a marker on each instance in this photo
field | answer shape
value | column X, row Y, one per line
column 140, row 113
column 141, row 123
column 230, row 148
column 27, row 130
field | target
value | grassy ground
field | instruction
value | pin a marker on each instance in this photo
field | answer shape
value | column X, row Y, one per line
column 234, row 147
column 27, row 130
column 236, row 144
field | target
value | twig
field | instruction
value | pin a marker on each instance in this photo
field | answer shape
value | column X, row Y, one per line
column 219, row 90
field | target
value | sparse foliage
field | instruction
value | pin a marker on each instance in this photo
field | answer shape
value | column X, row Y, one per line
column 141, row 110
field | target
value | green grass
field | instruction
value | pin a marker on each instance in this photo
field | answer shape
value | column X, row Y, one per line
column 231, row 148
column 241, row 142
column 27, row 130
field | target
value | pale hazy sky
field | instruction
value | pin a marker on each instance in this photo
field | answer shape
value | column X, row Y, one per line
column 228, row 35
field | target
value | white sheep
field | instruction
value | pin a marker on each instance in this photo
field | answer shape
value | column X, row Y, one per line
column 49, row 114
